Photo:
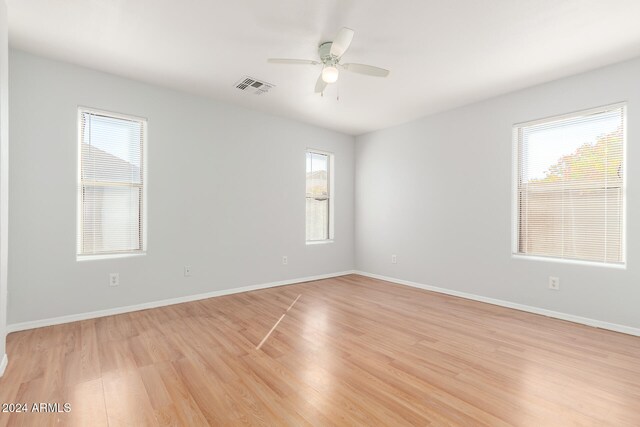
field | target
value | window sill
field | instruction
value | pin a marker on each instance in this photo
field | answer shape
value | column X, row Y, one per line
column 523, row 257
column 318, row 242
column 82, row 258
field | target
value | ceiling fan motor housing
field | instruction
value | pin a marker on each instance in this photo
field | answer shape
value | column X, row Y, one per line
column 324, row 51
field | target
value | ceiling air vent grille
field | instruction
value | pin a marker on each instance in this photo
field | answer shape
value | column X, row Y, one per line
column 254, row 86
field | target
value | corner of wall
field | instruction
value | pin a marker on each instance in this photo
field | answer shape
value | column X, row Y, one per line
column 4, row 176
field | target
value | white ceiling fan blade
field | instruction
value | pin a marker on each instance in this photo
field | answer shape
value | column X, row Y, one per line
column 369, row 70
column 320, row 84
column 292, row 61
column 341, row 42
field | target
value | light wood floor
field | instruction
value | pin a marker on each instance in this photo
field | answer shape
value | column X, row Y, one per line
column 352, row 350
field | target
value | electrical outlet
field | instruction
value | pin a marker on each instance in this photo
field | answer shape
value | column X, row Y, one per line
column 394, row 259
column 285, row 260
column 114, row 279
column 554, row 283
column 187, row 271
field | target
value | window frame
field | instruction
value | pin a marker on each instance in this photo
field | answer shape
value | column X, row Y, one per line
column 515, row 165
column 143, row 208
column 331, row 195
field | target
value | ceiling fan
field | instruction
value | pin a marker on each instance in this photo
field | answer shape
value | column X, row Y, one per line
column 330, row 55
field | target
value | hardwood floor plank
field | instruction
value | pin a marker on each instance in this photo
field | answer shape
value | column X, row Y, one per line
column 87, row 404
column 187, row 410
column 205, row 392
column 126, row 399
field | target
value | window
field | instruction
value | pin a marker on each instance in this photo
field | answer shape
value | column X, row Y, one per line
column 111, row 191
column 570, row 186
column 319, row 199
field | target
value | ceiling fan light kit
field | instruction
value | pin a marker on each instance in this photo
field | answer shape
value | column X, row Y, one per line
column 330, row 74
column 330, row 54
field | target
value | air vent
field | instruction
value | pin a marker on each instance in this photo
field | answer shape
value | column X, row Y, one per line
column 254, row 86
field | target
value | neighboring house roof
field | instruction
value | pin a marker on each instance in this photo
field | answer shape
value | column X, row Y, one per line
column 317, row 175
column 119, row 170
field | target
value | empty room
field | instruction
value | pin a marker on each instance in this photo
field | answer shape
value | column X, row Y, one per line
column 320, row 213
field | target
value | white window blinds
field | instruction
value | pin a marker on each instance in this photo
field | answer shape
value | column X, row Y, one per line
column 111, row 188
column 570, row 186
column 318, row 196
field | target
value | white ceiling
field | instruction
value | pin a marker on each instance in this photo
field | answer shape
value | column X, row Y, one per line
column 441, row 53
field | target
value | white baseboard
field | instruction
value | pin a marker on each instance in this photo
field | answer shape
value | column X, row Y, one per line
column 15, row 327
column 3, row 364
column 536, row 310
column 127, row 309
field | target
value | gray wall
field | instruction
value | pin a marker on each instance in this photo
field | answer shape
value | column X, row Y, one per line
column 4, row 172
column 437, row 192
column 226, row 191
